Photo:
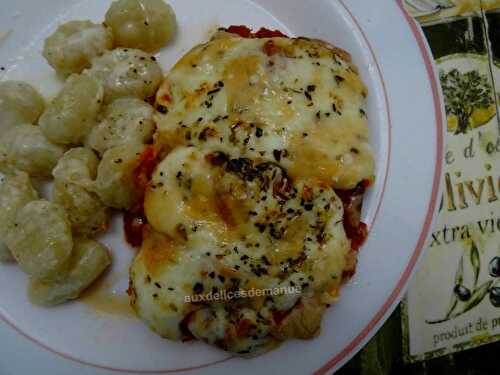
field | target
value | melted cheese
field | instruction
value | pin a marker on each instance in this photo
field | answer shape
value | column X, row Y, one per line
column 286, row 95
column 257, row 134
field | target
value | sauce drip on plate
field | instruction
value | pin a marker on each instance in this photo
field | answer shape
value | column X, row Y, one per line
column 103, row 299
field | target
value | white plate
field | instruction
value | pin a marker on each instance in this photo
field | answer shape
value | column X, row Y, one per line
column 406, row 121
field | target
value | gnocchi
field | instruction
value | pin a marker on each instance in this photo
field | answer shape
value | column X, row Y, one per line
column 77, row 166
column 40, row 239
column 15, row 192
column 114, row 183
column 126, row 72
column 25, row 148
column 88, row 262
column 143, row 24
column 19, row 103
column 74, row 44
column 86, row 213
column 5, row 254
column 126, row 120
column 51, row 240
column 72, row 113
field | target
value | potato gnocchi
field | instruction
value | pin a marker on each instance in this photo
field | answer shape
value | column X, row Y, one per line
column 24, row 147
column 72, row 113
column 20, row 103
column 114, row 183
column 89, row 260
column 143, row 24
column 5, row 254
column 40, row 239
column 15, row 192
column 127, row 72
column 77, row 166
column 126, row 120
column 86, row 213
column 74, row 44
column 88, row 138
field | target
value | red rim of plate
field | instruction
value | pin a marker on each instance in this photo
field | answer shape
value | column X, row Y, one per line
column 393, row 298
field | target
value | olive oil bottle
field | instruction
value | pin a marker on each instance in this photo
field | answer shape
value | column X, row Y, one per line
column 449, row 322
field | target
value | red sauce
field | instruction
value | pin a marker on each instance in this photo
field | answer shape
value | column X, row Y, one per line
column 357, row 235
column 130, row 289
column 246, row 32
column 355, row 230
column 266, row 33
column 166, row 98
column 148, row 161
column 270, row 48
column 279, row 316
column 134, row 219
column 241, row 30
column 133, row 225
column 243, row 327
column 347, row 274
column 184, row 327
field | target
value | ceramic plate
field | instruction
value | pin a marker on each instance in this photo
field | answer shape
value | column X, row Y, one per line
column 100, row 335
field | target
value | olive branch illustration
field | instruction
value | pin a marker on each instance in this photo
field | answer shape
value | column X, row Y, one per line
column 464, row 299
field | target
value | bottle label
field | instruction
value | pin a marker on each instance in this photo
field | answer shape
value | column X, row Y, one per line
column 454, row 301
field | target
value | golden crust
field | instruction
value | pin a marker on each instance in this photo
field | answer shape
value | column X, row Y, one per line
column 257, row 135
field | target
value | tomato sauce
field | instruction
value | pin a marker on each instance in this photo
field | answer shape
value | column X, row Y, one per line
column 133, row 224
column 279, row 316
column 246, row 32
column 352, row 200
column 270, row 48
column 134, row 219
column 148, row 161
column 184, row 327
column 244, row 327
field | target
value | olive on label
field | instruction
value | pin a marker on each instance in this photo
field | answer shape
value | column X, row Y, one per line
column 494, row 267
column 495, row 296
column 462, row 293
